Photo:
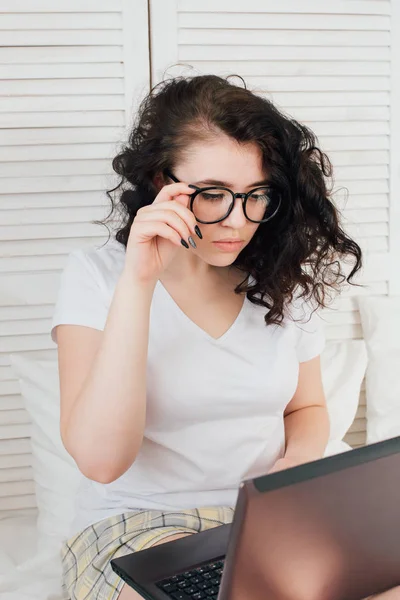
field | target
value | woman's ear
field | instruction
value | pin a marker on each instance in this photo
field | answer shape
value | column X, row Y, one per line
column 159, row 181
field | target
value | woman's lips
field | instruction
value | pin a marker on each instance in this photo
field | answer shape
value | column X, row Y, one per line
column 229, row 246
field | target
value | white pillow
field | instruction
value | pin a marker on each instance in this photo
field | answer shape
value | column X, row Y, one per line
column 55, row 472
column 343, row 366
column 380, row 318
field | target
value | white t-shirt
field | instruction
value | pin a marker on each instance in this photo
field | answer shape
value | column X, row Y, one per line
column 214, row 406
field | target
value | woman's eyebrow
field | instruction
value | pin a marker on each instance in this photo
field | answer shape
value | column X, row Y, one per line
column 227, row 184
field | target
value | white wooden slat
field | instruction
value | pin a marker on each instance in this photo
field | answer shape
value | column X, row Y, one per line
column 42, row 247
column 336, row 99
column 375, row 244
column 218, row 52
column 15, row 460
column 303, row 84
column 371, row 215
column 358, row 7
column 49, row 200
column 67, row 71
column 280, row 37
column 49, row 230
column 7, row 313
column 10, row 402
column 286, row 68
column 73, row 86
column 81, row 214
column 353, row 173
column 365, row 187
column 101, row 118
column 367, row 229
column 16, row 487
column 358, row 426
column 19, row 264
column 31, row 327
column 15, row 474
column 55, row 167
column 31, row 288
column 15, row 447
column 11, row 432
column 360, row 157
column 60, row 54
column 22, row 344
column 332, row 114
column 9, row 387
column 61, row 152
column 60, row 103
column 46, row 354
column 65, row 21
column 55, row 184
column 16, row 503
column 361, row 201
column 283, row 21
column 61, row 135
column 376, row 142
column 62, row 6
column 349, row 128
column 6, row 373
column 83, row 37
column 394, row 285
column 19, row 513
column 361, row 412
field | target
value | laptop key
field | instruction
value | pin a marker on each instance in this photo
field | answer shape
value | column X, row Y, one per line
column 168, row 587
column 212, row 592
column 198, row 596
column 180, row 596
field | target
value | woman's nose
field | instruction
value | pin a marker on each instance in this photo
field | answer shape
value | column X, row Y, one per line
column 237, row 218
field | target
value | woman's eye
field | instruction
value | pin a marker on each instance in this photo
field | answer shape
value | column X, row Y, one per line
column 212, row 196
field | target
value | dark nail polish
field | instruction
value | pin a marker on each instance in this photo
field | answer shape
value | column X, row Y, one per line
column 198, row 232
column 192, row 242
column 184, row 244
column 194, row 187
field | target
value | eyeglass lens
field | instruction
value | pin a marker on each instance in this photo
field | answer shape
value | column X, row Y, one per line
column 214, row 204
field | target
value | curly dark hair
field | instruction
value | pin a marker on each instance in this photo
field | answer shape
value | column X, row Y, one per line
column 298, row 252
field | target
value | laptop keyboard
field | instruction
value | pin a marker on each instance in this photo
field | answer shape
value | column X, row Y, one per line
column 201, row 583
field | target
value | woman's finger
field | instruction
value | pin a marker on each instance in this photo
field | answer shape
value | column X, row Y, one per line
column 172, row 191
column 170, row 217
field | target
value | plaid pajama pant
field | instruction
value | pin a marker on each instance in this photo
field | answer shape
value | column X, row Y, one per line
column 87, row 573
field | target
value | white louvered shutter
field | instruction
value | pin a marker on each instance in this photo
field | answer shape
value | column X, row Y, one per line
column 327, row 64
column 71, row 72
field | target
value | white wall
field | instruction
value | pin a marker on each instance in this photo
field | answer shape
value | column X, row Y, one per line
column 72, row 73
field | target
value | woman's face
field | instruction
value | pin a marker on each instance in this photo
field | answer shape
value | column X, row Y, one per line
column 232, row 165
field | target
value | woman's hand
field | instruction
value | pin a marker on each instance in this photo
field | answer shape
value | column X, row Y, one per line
column 286, row 463
column 157, row 233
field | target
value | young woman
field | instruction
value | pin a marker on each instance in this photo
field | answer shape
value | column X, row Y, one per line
column 189, row 346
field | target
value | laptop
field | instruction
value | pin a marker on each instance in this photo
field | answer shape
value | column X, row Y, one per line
column 325, row 530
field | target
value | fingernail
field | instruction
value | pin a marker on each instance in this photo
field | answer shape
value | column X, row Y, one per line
column 192, row 242
column 198, row 232
column 194, row 187
column 184, row 243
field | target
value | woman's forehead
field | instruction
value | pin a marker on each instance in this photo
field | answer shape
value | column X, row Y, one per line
column 228, row 163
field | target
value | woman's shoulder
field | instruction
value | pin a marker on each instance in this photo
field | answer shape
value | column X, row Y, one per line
column 104, row 261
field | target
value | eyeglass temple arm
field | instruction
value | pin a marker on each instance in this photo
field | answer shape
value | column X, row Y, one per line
column 168, row 173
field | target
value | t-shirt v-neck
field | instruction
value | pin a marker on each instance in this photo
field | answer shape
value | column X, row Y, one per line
column 196, row 328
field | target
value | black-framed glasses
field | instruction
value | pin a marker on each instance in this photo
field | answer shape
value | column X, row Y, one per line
column 213, row 204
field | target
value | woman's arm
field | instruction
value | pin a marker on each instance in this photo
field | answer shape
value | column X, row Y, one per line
column 103, row 384
column 306, row 418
